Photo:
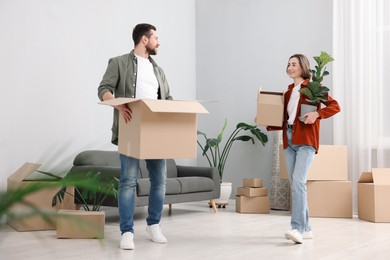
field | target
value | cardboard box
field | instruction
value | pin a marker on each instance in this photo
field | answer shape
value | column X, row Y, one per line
column 331, row 199
column 330, row 164
column 253, row 182
column 252, row 204
column 374, row 194
column 41, row 199
column 80, row 224
column 251, row 192
column 270, row 108
column 159, row 129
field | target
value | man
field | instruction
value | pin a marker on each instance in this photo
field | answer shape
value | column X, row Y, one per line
column 136, row 75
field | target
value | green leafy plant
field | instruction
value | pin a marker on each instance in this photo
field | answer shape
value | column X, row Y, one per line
column 217, row 155
column 316, row 92
column 92, row 197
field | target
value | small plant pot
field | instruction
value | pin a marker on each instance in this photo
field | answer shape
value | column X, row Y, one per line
column 226, row 190
column 306, row 109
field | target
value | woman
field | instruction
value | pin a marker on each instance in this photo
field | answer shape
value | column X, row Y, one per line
column 300, row 142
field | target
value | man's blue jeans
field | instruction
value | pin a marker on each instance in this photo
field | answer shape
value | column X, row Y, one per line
column 298, row 160
column 127, row 184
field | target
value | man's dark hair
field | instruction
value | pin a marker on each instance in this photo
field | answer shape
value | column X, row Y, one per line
column 141, row 30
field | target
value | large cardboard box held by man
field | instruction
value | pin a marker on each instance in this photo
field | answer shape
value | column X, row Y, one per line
column 159, row 129
column 330, row 164
column 20, row 216
column 330, row 199
column 374, row 194
column 270, row 108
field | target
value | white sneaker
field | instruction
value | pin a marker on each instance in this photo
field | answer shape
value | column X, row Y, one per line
column 156, row 234
column 127, row 241
column 295, row 236
column 307, row 235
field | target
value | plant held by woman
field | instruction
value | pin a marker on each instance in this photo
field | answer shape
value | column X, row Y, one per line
column 316, row 93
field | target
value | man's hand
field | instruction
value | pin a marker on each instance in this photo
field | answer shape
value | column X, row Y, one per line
column 311, row 117
column 125, row 111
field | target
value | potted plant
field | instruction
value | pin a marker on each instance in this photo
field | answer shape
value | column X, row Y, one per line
column 90, row 191
column 315, row 92
column 217, row 155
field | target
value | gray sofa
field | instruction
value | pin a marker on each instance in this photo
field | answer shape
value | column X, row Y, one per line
column 184, row 183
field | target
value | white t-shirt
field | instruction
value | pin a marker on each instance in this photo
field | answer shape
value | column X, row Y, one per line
column 293, row 104
column 147, row 84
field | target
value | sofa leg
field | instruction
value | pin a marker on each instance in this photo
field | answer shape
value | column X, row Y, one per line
column 212, row 203
column 170, row 208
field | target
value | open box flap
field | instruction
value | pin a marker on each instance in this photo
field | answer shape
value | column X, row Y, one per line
column 158, row 105
column 366, row 177
column 118, row 101
column 381, row 176
column 175, row 106
column 24, row 171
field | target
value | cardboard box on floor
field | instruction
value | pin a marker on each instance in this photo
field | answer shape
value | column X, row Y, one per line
column 252, row 192
column 331, row 199
column 159, row 129
column 252, row 204
column 41, row 199
column 374, row 194
column 270, row 108
column 252, row 182
column 330, row 164
column 80, row 224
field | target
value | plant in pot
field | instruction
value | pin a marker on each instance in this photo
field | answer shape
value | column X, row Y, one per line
column 315, row 92
column 90, row 192
column 217, row 155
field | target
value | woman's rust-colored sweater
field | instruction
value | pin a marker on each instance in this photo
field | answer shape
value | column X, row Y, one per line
column 305, row 134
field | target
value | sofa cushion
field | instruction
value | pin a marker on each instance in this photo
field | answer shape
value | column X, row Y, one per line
column 195, row 184
column 180, row 185
column 143, row 187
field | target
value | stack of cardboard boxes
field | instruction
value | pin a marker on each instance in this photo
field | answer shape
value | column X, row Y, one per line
column 329, row 193
column 252, row 197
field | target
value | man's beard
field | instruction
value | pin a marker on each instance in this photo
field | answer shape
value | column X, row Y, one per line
column 151, row 51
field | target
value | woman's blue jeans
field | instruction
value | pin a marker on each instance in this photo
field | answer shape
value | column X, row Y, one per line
column 127, row 186
column 298, row 160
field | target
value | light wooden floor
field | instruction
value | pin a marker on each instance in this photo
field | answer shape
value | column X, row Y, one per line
column 194, row 232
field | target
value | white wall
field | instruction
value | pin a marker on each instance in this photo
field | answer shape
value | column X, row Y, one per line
column 245, row 44
column 53, row 55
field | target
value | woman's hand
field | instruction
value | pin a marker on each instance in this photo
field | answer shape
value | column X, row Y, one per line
column 311, row 117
